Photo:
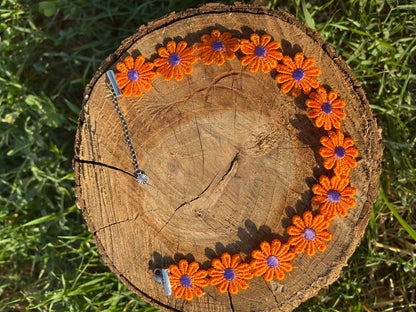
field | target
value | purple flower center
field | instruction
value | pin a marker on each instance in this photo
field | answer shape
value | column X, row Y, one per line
column 229, row 275
column 334, row 196
column 133, row 75
column 260, row 51
column 298, row 74
column 174, row 59
column 272, row 261
column 339, row 152
column 186, row 281
column 218, row 45
column 327, row 108
column 309, row 234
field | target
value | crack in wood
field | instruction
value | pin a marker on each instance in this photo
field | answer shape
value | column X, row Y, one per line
column 231, row 302
column 202, row 147
column 97, row 163
column 271, row 290
column 115, row 223
column 215, row 193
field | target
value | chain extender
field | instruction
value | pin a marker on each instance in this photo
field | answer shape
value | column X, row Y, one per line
column 141, row 177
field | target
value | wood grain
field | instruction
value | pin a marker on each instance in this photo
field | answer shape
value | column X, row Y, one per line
column 230, row 160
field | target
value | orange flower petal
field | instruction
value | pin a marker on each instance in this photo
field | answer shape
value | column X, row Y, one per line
column 342, row 211
column 241, row 283
column 268, row 276
column 296, row 90
column 259, row 267
column 163, row 53
column 325, row 182
column 188, row 294
column 284, row 69
column 277, row 248
column 222, row 288
column 307, row 217
column 325, row 235
column 288, row 256
column 235, row 261
column 121, row 67
column 329, row 163
column 257, row 254
column 232, row 288
column 168, row 74
column 338, row 103
column 198, row 291
column 288, row 267
column 282, row 78
column 279, row 273
column 177, row 73
column 226, row 260
column 247, row 59
column 332, row 95
column 300, row 247
column 298, row 60
column 255, row 38
column 174, row 271
column 293, row 230
column 136, row 88
column 217, row 280
column 294, row 240
column 287, row 86
column 265, row 247
column 255, row 64
column 348, row 201
column 179, row 292
column 320, row 245
column 310, row 249
column 128, row 90
column 171, row 47
column 129, row 61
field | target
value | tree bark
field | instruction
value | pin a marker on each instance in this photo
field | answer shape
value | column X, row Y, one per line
column 230, row 160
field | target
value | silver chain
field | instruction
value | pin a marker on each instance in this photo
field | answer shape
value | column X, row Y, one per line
column 141, row 177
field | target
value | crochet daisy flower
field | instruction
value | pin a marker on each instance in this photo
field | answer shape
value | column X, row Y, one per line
column 339, row 152
column 134, row 75
column 217, row 47
column 229, row 273
column 260, row 53
column 297, row 74
column 333, row 195
column 175, row 60
column 187, row 279
column 272, row 260
column 309, row 233
column 325, row 108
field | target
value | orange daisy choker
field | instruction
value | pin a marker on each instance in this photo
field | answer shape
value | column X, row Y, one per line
column 333, row 194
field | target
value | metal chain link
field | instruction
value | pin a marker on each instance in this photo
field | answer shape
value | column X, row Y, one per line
column 141, row 177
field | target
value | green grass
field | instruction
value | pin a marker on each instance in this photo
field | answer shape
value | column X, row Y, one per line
column 49, row 52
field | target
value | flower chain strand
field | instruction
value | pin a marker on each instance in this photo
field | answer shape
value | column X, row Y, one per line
column 333, row 194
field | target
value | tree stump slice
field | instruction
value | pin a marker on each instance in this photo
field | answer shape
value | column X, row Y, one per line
column 230, row 160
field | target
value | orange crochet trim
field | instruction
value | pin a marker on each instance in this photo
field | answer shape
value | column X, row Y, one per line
column 187, row 279
column 134, row 75
column 326, row 109
column 229, row 273
column 339, row 152
column 175, row 60
column 309, row 232
column 297, row 74
column 260, row 53
column 272, row 260
column 333, row 194
column 218, row 47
